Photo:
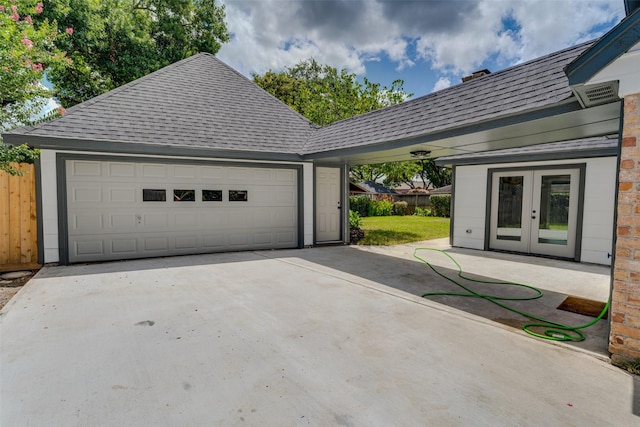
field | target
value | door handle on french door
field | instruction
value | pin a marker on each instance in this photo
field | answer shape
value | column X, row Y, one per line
column 339, row 205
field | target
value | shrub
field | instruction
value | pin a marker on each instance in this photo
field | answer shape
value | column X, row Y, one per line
column 441, row 205
column 360, row 205
column 354, row 220
column 422, row 212
column 380, row 208
column 400, row 208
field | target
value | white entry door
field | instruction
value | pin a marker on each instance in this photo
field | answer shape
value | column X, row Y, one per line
column 328, row 208
column 535, row 211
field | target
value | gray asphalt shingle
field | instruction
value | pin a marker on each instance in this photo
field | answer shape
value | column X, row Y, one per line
column 531, row 85
column 199, row 102
column 202, row 103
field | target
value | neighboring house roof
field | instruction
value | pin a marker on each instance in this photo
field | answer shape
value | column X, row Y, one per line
column 198, row 103
column 355, row 188
column 417, row 183
column 442, row 190
column 532, row 85
column 374, row 187
column 577, row 148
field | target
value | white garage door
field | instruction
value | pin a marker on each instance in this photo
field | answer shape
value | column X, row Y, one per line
column 119, row 210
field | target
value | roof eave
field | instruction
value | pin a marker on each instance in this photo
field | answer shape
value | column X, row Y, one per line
column 528, row 157
column 123, row 147
column 606, row 50
column 567, row 106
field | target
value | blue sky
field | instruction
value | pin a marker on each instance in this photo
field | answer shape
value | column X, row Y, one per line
column 430, row 44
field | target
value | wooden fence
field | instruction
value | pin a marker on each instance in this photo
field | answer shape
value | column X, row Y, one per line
column 414, row 200
column 18, row 220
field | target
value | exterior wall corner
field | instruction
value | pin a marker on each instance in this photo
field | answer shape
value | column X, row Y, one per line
column 624, row 338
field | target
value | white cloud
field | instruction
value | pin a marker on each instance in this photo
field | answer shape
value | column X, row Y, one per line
column 442, row 83
column 451, row 37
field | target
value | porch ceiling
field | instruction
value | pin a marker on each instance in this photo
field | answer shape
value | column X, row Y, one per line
column 560, row 123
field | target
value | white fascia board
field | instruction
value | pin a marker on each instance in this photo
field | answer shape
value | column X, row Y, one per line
column 625, row 69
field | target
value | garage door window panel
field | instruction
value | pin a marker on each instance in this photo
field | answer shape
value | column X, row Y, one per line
column 211, row 195
column 152, row 195
column 184, row 195
column 238, row 195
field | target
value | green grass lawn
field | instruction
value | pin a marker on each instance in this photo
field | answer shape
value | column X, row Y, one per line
column 393, row 230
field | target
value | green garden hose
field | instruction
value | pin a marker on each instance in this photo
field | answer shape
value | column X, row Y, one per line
column 553, row 331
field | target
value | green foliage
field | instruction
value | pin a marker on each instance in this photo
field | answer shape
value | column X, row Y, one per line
column 360, row 205
column 366, row 173
column 27, row 51
column 438, row 176
column 18, row 154
column 394, row 230
column 633, row 366
column 116, row 41
column 324, row 95
column 440, row 205
column 422, row 212
column 380, row 208
column 354, row 220
column 400, row 208
column 397, row 173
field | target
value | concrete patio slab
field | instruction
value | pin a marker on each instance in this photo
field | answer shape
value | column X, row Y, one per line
column 280, row 338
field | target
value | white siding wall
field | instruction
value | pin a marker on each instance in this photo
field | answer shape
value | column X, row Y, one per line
column 49, row 205
column 470, row 202
column 307, row 177
column 599, row 204
column 50, row 199
column 597, row 230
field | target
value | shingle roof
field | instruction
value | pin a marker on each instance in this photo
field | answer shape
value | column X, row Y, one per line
column 374, row 187
column 577, row 148
column 199, row 102
column 528, row 86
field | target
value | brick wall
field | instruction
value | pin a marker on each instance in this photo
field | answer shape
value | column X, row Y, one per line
column 624, row 342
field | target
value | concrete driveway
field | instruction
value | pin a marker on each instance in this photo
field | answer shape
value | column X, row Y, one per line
column 282, row 338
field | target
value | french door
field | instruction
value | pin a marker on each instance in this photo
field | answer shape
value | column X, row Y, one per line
column 535, row 211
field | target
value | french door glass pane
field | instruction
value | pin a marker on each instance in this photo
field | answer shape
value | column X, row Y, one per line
column 554, row 209
column 510, row 208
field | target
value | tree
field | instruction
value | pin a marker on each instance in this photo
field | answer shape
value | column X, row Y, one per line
column 117, row 41
column 325, row 95
column 19, row 154
column 438, row 176
column 27, row 52
column 367, row 172
column 397, row 173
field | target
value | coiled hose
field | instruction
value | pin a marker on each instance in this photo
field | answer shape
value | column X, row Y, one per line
column 552, row 330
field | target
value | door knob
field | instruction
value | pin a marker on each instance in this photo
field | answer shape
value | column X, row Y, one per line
column 339, row 205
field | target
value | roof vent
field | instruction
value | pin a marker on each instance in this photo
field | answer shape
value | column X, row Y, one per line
column 475, row 75
column 603, row 93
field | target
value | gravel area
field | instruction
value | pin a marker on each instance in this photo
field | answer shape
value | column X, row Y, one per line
column 8, row 288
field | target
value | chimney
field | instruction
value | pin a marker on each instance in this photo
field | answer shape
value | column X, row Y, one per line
column 630, row 6
column 477, row 74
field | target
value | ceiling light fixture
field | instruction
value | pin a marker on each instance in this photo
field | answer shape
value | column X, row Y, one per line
column 420, row 154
